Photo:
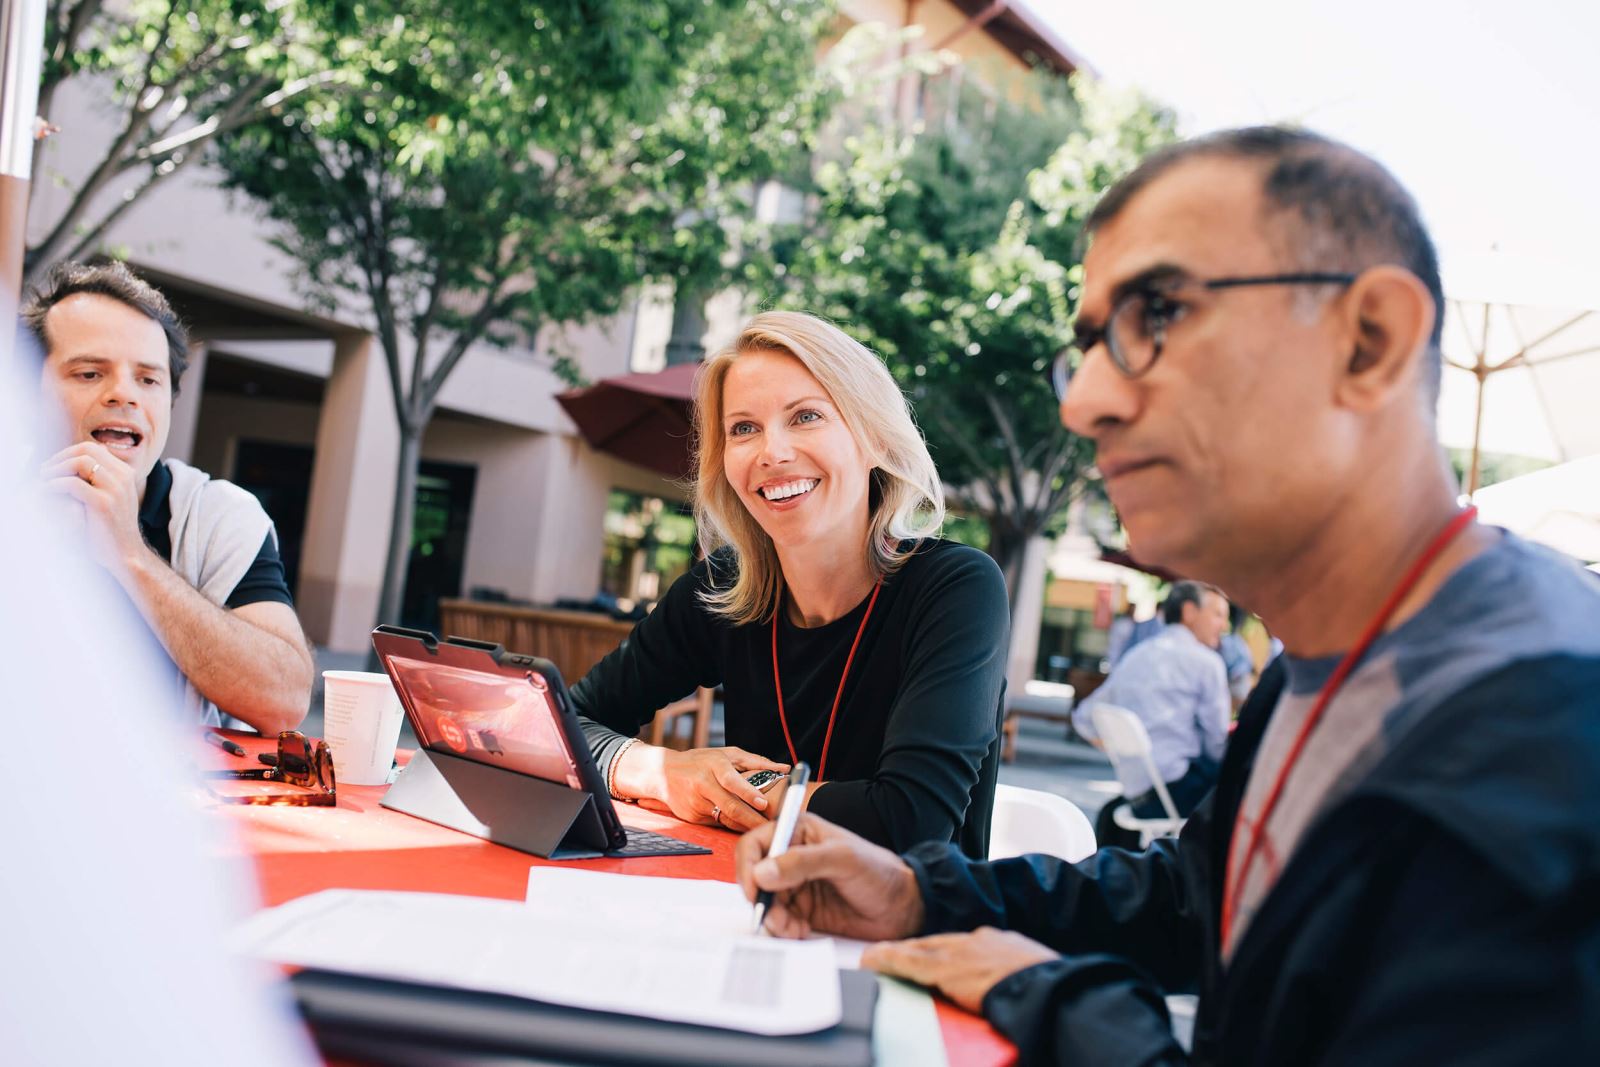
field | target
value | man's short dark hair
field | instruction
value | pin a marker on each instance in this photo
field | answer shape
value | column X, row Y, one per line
column 112, row 280
column 1185, row 593
column 1345, row 211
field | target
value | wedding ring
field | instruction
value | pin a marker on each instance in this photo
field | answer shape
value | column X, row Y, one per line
column 716, row 813
column 92, row 472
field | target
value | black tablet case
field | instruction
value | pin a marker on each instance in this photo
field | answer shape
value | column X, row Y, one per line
column 377, row 1021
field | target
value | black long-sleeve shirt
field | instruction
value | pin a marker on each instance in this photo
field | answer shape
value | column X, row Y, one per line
column 915, row 744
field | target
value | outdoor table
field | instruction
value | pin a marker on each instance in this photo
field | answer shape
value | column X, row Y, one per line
column 361, row 845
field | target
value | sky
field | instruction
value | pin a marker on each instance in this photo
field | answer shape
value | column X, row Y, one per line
column 1487, row 111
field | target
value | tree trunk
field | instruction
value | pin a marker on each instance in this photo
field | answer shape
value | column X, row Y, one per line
column 1019, row 551
column 1027, row 613
column 405, row 506
column 1006, row 546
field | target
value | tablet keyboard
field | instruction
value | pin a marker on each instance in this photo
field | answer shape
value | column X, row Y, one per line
column 649, row 843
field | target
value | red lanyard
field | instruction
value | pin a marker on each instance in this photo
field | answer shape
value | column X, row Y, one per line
column 1233, row 886
column 777, row 684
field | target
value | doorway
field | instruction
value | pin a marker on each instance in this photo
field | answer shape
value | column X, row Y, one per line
column 438, row 541
column 280, row 477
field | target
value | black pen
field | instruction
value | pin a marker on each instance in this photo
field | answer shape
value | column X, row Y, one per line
column 223, row 743
column 794, row 798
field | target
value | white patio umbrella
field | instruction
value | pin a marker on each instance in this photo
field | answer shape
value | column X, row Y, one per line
column 1558, row 506
column 1522, row 360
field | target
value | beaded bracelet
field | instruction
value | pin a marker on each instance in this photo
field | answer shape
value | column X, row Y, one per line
column 611, row 773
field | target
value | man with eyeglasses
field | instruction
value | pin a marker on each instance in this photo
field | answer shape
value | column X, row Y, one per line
column 1400, row 862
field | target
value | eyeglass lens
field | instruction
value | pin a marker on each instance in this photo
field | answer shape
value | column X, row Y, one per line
column 1133, row 337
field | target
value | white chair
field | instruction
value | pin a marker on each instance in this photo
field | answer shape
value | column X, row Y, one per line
column 1028, row 820
column 1124, row 738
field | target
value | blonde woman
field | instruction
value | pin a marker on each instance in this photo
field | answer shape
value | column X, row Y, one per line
column 842, row 631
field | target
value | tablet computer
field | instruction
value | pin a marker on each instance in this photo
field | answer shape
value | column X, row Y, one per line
column 474, row 700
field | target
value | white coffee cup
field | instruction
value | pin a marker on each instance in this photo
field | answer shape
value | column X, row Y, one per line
column 361, row 723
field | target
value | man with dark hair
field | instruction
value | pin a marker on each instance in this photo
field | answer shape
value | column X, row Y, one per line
column 1400, row 861
column 197, row 556
column 1177, row 685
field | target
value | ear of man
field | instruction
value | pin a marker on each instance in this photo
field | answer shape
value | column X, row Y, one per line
column 1390, row 317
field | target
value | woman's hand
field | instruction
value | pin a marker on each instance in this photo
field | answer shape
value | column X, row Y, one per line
column 702, row 785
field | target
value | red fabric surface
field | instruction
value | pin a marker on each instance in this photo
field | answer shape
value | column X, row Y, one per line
column 361, row 845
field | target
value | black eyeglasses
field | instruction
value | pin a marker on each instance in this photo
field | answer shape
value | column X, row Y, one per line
column 301, row 761
column 1136, row 331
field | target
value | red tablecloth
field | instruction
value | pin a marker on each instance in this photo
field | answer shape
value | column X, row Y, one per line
column 361, row 845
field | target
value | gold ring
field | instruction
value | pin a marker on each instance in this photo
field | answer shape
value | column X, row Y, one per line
column 92, row 472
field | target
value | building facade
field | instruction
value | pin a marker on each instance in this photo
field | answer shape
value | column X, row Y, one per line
column 297, row 407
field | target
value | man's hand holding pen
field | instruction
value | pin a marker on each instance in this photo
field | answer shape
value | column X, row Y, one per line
column 829, row 881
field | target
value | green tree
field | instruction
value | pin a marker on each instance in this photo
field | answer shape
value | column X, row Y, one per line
column 953, row 252
column 174, row 77
column 509, row 166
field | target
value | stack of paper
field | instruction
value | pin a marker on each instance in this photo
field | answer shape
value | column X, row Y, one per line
column 571, row 951
column 624, row 901
column 906, row 1033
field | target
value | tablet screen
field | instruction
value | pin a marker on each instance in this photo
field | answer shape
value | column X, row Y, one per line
column 491, row 718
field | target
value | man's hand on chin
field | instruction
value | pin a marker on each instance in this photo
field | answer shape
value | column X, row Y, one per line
column 108, row 488
column 964, row 967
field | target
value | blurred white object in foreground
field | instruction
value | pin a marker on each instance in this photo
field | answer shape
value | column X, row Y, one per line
column 115, row 903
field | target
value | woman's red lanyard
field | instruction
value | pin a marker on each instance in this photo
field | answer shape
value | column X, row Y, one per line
column 777, row 684
column 1233, row 886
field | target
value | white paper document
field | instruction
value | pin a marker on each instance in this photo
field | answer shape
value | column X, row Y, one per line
column 573, row 955
column 624, row 901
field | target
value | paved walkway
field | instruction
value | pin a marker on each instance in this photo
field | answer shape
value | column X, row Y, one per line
column 1047, row 761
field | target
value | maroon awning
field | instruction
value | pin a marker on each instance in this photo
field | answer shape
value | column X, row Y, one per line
column 642, row 418
column 1121, row 558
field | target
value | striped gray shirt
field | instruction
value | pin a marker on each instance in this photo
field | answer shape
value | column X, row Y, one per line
column 1514, row 601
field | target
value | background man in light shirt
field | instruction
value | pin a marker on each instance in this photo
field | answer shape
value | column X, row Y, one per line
column 1178, row 686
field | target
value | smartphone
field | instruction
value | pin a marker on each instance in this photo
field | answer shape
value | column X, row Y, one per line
column 764, row 780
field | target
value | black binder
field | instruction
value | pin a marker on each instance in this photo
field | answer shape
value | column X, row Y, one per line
column 403, row 1024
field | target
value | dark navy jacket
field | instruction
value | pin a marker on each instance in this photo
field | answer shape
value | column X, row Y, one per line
column 1445, row 911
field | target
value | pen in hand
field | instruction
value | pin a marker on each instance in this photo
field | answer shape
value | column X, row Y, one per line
column 223, row 743
column 794, row 798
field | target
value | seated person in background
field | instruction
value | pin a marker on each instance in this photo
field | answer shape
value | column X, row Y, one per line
column 1241, row 666
column 1119, row 637
column 842, row 632
column 197, row 556
column 1178, row 687
column 1399, row 863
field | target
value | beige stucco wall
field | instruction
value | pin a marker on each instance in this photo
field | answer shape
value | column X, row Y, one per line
column 226, row 420
column 191, row 228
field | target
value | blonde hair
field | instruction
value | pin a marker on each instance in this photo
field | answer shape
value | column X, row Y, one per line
column 906, row 497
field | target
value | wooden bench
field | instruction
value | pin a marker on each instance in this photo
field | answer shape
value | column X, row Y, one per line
column 574, row 641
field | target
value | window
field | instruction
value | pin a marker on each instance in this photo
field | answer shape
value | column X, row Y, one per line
column 649, row 544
